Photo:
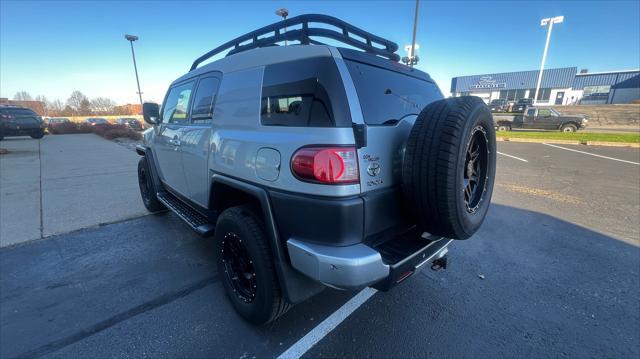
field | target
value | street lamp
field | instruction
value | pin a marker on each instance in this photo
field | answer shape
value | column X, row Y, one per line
column 410, row 59
column 131, row 39
column 413, row 59
column 544, row 22
column 283, row 13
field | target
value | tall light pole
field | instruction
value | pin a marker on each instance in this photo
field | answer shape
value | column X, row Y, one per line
column 544, row 22
column 413, row 41
column 131, row 39
column 283, row 13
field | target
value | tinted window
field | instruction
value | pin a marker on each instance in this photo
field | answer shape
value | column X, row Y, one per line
column 387, row 95
column 544, row 112
column 531, row 112
column 19, row 112
column 202, row 111
column 176, row 106
column 304, row 93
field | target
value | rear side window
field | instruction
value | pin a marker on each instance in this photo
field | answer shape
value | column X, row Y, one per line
column 304, row 93
column 19, row 112
column 203, row 101
column 387, row 96
column 176, row 106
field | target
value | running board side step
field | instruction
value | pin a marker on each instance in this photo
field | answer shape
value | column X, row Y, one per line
column 193, row 218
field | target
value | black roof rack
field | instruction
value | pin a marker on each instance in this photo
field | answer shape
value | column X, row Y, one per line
column 387, row 49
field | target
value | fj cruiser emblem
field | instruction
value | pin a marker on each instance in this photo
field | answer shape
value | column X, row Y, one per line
column 373, row 169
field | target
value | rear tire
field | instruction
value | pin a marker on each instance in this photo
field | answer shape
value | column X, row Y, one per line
column 449, row 166
column 569, row 128
column 148, row 190
column 504, row 128
column 37, row 135
column 245, row 262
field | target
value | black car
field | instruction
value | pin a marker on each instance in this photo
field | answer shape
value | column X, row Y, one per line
column 19, row 121
column 522, row 105
column 499, row 105
column 130, row 122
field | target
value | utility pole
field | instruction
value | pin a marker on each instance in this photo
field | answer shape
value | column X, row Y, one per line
column 544, row 22
column 131, row 39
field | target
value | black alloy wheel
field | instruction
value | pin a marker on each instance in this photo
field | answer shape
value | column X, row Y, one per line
column 238, row 267
column 475, row 169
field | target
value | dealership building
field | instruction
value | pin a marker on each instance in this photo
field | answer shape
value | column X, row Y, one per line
column 562, row 86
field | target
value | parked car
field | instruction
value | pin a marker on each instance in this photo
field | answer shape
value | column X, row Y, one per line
column 92, row 121
column 541, row 118
column 521, row 105
column 56, row 120
column 290, row 157
column 499, row 105
column 19, row 121
column 130, row 122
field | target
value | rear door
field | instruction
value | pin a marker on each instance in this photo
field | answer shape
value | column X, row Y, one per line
column 195, row 142
column 21, row 119
column 390, row 102
column 168, row 138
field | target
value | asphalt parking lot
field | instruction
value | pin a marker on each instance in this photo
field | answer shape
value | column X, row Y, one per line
column 554, row 272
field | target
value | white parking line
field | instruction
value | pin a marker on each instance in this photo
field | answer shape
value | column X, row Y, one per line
column 517, row 158
column 316, row 334
column 593, row 154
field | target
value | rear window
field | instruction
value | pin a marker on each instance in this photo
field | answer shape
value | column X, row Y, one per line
column 19, row 112
column 304, row 93
column 387, row 96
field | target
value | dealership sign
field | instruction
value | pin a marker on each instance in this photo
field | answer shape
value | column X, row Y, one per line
column 487, row 82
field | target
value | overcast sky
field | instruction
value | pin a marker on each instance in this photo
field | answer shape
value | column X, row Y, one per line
column 52, row 48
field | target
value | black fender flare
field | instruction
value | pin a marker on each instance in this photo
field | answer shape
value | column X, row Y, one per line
column 295, row 286
column 148, row 153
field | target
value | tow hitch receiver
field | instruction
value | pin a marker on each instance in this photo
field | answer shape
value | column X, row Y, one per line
column 439, row 264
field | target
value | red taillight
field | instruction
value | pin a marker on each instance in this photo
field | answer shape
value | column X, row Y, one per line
column 330, row 165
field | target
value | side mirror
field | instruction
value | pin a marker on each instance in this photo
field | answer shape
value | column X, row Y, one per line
column 151, row 112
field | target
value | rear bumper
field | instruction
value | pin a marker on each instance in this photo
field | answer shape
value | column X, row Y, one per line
column 353, row 242
column 13, row 130
column 360, row 265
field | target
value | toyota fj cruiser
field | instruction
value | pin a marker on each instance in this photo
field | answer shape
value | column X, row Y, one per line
column 314, row 165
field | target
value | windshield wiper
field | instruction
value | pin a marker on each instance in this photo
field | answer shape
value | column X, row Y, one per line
column 389, row 92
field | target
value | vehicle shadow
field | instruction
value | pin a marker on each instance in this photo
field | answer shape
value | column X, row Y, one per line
column 148, row 287
column 526, row 285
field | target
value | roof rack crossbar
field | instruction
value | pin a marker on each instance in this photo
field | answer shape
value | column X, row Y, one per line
column 384, row 48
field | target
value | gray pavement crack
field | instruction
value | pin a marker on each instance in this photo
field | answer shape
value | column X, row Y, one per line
column 118, row 318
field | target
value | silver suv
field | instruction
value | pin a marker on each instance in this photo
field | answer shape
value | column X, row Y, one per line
column 313, row 165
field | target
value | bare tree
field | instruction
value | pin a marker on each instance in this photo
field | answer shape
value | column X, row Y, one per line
column 85, row 107
column 102, row 105
column 56, row 107
column 22, row 96
column 45, row 105
column 75, row 101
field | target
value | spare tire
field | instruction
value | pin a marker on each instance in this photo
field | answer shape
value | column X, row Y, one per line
column 449, row 166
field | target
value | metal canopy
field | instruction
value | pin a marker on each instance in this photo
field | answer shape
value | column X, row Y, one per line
column 383, row 47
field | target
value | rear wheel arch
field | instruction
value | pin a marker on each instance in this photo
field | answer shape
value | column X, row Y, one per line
column 295, row 286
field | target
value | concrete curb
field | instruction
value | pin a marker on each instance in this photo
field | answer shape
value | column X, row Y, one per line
column 570, row 142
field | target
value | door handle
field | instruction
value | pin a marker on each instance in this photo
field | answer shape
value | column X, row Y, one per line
column 175, row 142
